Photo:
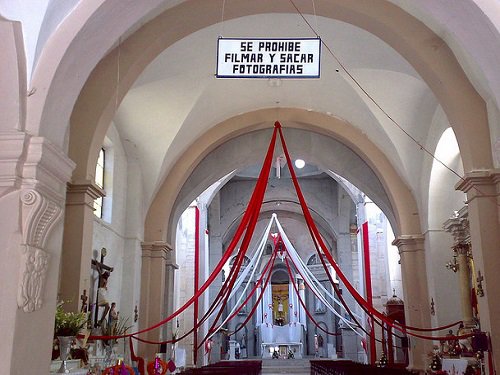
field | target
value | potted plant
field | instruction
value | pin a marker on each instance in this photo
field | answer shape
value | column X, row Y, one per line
column 68, row 323
column 67, row 326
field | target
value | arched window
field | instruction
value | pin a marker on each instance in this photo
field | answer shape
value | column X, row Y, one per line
column 99, row 181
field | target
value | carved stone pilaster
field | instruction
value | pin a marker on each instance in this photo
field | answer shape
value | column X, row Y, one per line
column 39, row 215
column 45, row 172
column 34, row 267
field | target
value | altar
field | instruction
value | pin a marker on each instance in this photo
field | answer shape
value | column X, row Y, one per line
column 283, row 349
column 281, row 339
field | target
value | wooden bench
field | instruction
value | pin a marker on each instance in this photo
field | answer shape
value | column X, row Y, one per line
column 344, row 367
column 242, row 367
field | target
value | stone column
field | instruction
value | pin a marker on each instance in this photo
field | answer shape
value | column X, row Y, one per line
column 155, row 256
column 302, row 293
column 33, row 190
column 258, row 319
column 215, row 254
column 204, row 273
column 462, row 251
column 77, row 241
column 483, row 201
column 458, row 225
column 168, row 298
column 413, row 269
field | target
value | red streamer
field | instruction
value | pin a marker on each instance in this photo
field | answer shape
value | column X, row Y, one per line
column 133, row 357
column 243, row 224
column 271, row 261
column 196, row 278
column 303, row 304
column 248, row 223
column 316, row 236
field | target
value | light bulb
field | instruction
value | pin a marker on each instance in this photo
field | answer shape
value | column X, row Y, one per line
column 299, row 163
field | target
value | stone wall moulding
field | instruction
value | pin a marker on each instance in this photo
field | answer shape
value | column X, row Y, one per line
column 83, row 193
column 12, row 145
column 47, row 169
column 39, row 216
column 409, row 243
column 481, row 183
column 157, row 249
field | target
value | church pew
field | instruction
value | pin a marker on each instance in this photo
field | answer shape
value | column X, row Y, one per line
column 325, row 367
column 228, row 368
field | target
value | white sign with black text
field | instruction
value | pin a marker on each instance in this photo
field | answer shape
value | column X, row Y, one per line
column 268, row 58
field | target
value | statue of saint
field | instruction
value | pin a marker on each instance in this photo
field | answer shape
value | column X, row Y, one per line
column 113, row 315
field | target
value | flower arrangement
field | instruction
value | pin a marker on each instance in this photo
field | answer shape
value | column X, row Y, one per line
column 68, row 323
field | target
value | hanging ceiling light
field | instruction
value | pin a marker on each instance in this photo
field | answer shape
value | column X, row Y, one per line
column 299, row 163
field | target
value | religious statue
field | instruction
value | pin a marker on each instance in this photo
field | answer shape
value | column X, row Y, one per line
column 320, row 346
column 316, row 346
column 320, row 341
column 279, row 319
column 280, row 307
column 319, row 306
column 450, row 346
column 243, row 341
column 113, row 315
column 84, row 299
column 102, row 296
column 104, row 272
column 465, row 343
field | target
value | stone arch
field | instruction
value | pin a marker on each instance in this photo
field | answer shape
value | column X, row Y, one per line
column 284, row 214
column 13, row 103
column 400, row 201
column 290, row 209
column 13, row 77
column 423, row 49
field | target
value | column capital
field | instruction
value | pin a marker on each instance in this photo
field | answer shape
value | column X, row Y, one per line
column 29, row 162
column 83, row 192
column 409, row 243
column 47, row 168
column 171, row 260
column 157, row 249
column 458, row 226
column 480, row 182
column 462, row 248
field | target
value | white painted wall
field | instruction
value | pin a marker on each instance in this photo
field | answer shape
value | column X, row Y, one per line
column 120, row 231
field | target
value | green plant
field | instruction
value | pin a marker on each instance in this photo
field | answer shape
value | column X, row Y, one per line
column 68, row 323
column 117, row 328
